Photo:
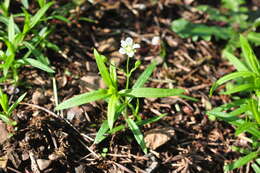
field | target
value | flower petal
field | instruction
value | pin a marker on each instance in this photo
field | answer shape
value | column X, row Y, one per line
column 122, row 51
column 136, row 46
column 123, row 43
column 130, row 54
column 129, row 41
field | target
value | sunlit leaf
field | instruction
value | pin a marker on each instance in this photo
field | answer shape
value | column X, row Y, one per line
column 83, row 99
column 150, row 92
column 137, row 134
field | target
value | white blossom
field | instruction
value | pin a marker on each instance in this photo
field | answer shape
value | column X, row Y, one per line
column 156, row 40
column 128, row 47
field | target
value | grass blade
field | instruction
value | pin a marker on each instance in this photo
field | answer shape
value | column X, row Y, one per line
column 10, row 110
column 111, row 110
column 144, row 76
column 103, row 69
column 150, row 92
column 240, row 66
column 101, row 132
column 249, row 55
column 36, row 18
column 240, row 88
column 83, row 99
column 240, row 162
column 231, row 76
column 11, row 29
column 40, row 65
column 137, row 134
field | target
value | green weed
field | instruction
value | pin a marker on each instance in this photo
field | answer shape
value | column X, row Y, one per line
column 242, row 113
column 119, row 101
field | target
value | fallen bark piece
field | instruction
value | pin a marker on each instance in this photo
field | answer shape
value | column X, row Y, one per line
column 4, row 132
column 157, row 137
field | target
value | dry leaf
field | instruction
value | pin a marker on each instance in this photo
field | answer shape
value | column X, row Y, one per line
column 157, row 137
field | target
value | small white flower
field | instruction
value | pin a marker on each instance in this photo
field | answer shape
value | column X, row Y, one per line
column 128, row 47
column 156, row 41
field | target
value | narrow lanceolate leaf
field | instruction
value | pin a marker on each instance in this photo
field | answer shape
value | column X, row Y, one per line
column 243, row 74
column 137, row 134
column 240, row 162
column 103, row 69
column 39, row 64
column 240, row 88
column 101, row 132
column 113, row 75
column 37, row 17
column 5, row 118
column 111, row 110
column 144, row 76
column 150, row 92
column 244, row 127
column 249, row 55
column 253, row 106
column 83, row 99
column 10, row 110
column 11, row 29
column 255, row 167
column 235, row 61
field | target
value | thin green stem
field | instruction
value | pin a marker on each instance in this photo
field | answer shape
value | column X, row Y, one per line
column 127, row 86
column 127, row 73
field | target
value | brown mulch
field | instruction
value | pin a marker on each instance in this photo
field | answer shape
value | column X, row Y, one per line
column 47, row 141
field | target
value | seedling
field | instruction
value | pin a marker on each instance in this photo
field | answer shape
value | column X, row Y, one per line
column 243, row 114
column 119, row 101
column 6, row 113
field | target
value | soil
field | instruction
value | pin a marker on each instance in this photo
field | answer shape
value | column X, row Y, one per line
column 49, row 141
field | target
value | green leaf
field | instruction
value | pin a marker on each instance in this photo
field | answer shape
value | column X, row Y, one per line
column 244, row 127
column 144, row 76
column 252, row 104
column 186, row 29
column 5, row 20
column 4, row 101
column 10, row 110
column 25, row 3
column 150, row 92
column 104, row 127
column 244, row 87
column 103, row 69
column 231, row 76
column 113, row 75
column 37, row 17
column 61, row 18
column 111, row 110
column 137, row 134
column 40, row 65
column 101, row 132
column 235, row 61
column 37, row 53
column 5, row 119
column 11, row 29
column 254, row 37
column 255, row 167
column 41, row 3
column 249, row 55
column 240, row 162
column 83, row 99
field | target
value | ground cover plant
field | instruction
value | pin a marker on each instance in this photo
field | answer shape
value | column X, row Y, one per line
column 109, row 86
column 223, row 24
column 120, row 101
column 23, row 44
column 243, row 113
